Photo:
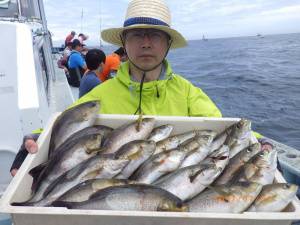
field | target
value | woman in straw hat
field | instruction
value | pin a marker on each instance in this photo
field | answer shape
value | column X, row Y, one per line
column 146, row 83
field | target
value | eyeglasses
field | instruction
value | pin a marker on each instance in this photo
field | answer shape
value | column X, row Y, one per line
column 138, row 35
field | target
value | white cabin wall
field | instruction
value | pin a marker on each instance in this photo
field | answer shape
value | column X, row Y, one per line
column 10, row 114
column 23, row 97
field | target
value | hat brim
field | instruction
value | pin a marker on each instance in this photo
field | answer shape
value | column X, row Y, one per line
column 113, row 35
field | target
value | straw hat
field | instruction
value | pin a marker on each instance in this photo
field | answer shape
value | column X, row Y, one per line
column 145, row 14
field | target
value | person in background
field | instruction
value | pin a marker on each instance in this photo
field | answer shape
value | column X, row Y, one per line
column 68, row 49
column 112, row 63
column 70, row 37
column 63, row 61
column 76, row 64
column 95, row 60
column 82, row 38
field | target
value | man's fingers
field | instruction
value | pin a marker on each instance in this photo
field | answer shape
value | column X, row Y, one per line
column 31, row 146
column 13, row 172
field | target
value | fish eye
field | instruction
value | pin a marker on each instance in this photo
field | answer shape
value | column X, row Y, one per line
column 286, row 186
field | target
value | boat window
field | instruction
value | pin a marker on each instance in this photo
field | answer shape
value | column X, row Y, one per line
column 43, row 64
column 30, row 9
column 8, row 8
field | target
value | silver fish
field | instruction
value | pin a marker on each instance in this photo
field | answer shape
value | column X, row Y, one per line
column 187, row 182
column 274, row 197
column 223, row 199
column 176, row 140
column 200, row 150
column 128, row 133
column 137, row 152
column 161, row 132
column 84, row 190
column 129, row 198
column 66, row 160
column 71, row 121
column 260, row 168
column 96, row 129
column 99, row 166
column 239, row 137
column 159, row 165
column 219, row 157
column 237, row 162
column 218, row 141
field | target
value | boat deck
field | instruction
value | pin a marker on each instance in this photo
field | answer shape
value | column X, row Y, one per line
column 60, row 99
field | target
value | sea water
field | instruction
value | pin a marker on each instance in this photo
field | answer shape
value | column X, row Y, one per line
column 251, row 77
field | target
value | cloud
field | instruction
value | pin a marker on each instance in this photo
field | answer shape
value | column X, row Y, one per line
column 222, row 18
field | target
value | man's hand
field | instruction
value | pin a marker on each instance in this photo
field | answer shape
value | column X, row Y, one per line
column 29, row 145
column 266, row 144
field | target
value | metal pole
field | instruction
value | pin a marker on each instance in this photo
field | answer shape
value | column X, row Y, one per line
column 100, row 21
column 19, row 9
column 81, row 20
column 47, row 47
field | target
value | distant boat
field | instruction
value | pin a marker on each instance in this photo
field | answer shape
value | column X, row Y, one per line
column 204, row 39
column 259, row 35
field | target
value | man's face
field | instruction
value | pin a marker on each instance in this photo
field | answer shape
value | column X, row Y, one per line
column 146, row 47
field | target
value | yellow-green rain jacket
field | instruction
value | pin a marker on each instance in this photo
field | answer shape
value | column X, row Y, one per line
column 172, row 96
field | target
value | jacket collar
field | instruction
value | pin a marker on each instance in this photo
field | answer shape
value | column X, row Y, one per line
column 124, row 76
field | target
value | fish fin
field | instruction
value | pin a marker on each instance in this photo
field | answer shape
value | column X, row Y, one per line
column 93, row 151
column 93, row 174
column 139, row 121
column 35, row 171
column 193, row 176
column 136, row 155
column 68, row 205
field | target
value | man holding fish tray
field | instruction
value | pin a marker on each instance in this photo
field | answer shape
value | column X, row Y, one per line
column 138, row 166
column 145, row 84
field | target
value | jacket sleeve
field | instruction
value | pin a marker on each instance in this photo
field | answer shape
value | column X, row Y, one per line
column 200, row 104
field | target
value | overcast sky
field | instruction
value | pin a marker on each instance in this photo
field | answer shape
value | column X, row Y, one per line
column 193, row 18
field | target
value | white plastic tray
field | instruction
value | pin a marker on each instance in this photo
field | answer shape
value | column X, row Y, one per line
column 19, row 190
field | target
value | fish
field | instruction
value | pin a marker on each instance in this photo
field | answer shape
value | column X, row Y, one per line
column 66, row 160
column 220, row 158
column 98, row 166
column 71, row 121
column 218, row 141
column 176, row 140
column 188, row 182
column 239, row 136
column 128, row 133
column 164, row 162
column 82, row 192
column 161, row 132
column 226, row 199
column 96, row 129
column 134, row 197
column 260, row 168
column 274, row 197
column 200, row 150
column 136, row 152
column 159, row 165
column 237, row 162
